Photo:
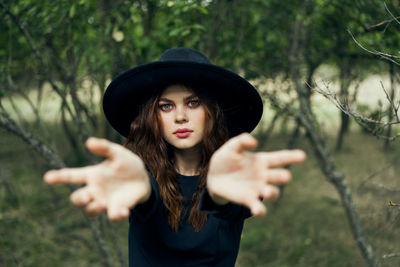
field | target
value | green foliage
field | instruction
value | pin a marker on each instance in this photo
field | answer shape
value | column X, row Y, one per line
column 106, row 38
column 89, row 41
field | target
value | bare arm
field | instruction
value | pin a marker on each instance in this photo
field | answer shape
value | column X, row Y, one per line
column 114, row 186
column 242, row 177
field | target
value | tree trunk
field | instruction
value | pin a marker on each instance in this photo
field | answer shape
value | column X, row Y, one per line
column 307, row 119
column 344, row 96
column 390, row 112
column 265, row 135
column 344, row 127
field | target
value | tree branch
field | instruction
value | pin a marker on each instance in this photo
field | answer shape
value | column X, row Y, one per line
column 38, row 55
column 54, row 161
column 386, row 56
column 360, row 119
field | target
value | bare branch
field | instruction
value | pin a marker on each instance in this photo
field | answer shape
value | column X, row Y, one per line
column 385, row 187
column 388, row 10
column 386, row 56
column 380, row 25
column 54, row 161
column 373, row 175
column 24, row 31
column 115, row 239
column 76, row 116
column 391, row 102
column 390, row 255
column 98, row 235
column 305, row 117
column 360, row 119
column 34, row 142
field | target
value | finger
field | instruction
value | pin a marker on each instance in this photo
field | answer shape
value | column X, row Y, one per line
column 270, row 192
column 118, row 207
column 95, row 208
column 254, row 203
column 81, row 196
column 118, row 214
column 67, row 176
column 102, row 147
column 241, row 142
column 257, row 208
column 278, row 176
column 283, row 157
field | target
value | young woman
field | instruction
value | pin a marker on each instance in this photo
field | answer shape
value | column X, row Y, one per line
column 184, row 177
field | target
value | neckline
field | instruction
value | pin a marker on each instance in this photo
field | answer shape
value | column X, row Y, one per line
column 187, row 176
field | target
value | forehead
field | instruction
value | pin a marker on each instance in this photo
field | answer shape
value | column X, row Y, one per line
column 177, row 90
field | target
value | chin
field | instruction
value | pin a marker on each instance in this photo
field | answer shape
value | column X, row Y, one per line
column 183, row 145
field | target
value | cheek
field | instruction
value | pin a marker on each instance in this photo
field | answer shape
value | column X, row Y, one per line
column 201, row 118
column 163, row 123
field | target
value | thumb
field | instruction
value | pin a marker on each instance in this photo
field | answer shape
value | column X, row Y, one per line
column 102, row 147
column 241, row 142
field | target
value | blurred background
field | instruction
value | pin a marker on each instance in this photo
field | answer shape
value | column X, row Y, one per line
column 326, row 69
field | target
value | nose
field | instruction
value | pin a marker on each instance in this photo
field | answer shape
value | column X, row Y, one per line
column 180, row 115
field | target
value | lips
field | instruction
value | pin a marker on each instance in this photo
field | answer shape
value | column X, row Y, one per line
column 183, row 133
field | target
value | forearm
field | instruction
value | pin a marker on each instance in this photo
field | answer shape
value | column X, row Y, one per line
column 148, row 207
column 226, row 210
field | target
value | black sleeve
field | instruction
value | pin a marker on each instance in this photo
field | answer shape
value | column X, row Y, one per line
column 228, row 211
column 146, row 209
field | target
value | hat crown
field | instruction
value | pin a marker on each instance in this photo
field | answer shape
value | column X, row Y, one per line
column 239, row 101
column 184, row 54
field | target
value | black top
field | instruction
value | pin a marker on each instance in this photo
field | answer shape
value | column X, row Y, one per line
column 153, row 243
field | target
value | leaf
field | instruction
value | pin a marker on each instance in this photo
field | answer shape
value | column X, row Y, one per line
column 202, row 9
column 175, row 32
column 185, row 33
column 72, row 11
column 198, row 27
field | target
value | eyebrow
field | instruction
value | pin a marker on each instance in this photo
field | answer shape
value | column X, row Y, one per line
column 186, row 98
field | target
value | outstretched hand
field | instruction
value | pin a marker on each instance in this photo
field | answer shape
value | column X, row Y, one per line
column 115, row 185
column 242, row 177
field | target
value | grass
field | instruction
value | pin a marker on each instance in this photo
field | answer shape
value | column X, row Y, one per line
column 307, row 227
column 38, row 226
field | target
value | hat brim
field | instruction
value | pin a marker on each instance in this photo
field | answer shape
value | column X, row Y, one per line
column 239, row 100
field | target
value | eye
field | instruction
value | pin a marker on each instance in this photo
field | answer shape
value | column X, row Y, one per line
column 193, row 103
column 165, row 107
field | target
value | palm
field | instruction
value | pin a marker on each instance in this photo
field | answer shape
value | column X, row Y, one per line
column 231, row 172
column 115, row 185
column 111, row 186
column 243, row 177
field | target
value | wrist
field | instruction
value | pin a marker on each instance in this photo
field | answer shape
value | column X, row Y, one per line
column 147, row 194
column 217, row 199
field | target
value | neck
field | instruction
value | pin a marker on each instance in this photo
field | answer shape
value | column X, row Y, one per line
column 187, row 161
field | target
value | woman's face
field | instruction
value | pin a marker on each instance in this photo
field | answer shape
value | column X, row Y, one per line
column 182, row 117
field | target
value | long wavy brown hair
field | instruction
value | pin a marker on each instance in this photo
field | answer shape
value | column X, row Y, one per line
column 146, row 140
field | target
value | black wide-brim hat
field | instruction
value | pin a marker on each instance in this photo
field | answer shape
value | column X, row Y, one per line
column 240, row 102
